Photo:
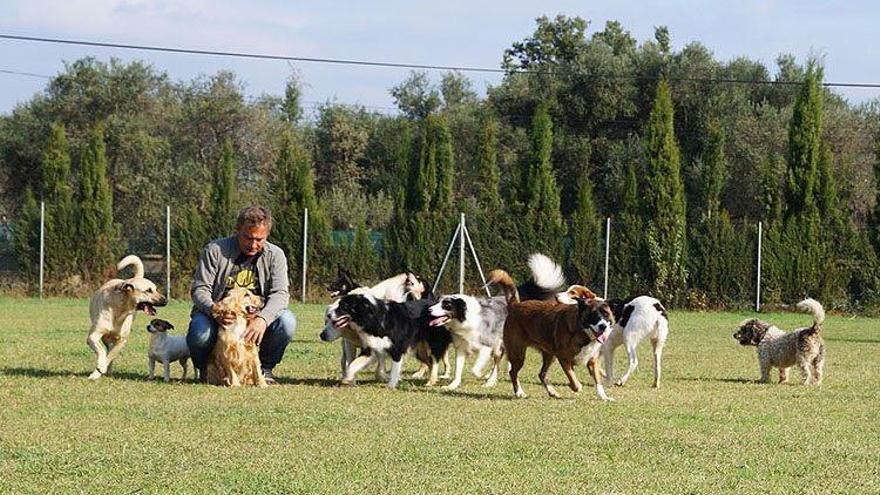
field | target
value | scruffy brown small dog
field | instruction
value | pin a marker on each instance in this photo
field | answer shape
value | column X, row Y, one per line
column 778, row 349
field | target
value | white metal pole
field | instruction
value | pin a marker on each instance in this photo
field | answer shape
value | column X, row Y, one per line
column 758, row 291
column 607, row 253
column 461, row 256
column 445, row 259
column 305, row 250
column 168, row 252
column 477, row 261
column 42, row 242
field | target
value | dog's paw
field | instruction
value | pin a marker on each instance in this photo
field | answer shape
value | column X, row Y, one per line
column 95, row 375
column 452, row 386
column 446, row 375
column 552, row 392
column 490, row 383
column 619, row 383
column 346, row 383
column 521, row 394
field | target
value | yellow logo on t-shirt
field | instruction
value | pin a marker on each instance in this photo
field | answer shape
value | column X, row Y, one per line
column 243, row 279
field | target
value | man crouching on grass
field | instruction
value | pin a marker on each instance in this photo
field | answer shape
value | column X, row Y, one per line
column 245, row 259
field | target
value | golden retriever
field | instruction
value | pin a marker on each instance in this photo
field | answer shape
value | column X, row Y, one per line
column 234, row 362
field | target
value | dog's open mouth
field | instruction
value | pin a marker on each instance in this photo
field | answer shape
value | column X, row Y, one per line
column 602, row 337
column 341, row 321
column 436, row 322
column 147, row 308
column 251, row 310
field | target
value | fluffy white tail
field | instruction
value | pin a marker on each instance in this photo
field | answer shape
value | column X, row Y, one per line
column 813, row 307
column 133, row 261
column 545, row 273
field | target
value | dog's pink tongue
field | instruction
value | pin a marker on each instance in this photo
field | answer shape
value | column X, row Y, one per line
column 602, row 337
column 149, row 310
column 437, row 321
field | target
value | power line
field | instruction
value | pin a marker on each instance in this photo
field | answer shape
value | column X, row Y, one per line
column 367, row 63
column 20, row 73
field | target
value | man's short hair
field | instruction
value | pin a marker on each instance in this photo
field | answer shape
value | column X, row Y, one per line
column 252, row 216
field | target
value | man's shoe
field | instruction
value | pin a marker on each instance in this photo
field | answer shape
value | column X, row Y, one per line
column 267, row 374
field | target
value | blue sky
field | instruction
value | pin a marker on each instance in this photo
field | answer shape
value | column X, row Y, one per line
column 451, row 32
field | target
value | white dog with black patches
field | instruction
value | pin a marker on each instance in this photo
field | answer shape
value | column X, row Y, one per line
column 641, row 317
column 165, row 348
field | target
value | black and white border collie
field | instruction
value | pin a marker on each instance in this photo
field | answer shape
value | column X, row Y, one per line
column 477, row 324
column 388, row 328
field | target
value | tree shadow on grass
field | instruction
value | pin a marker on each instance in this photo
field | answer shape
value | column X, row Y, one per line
column 711, row 379
column 854, row 341
column 39, row 373
column 312, row 382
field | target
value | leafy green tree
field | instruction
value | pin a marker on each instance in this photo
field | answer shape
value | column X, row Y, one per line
column 416, row 97
column 96, row 233
column 223, row 194
column 663, row 207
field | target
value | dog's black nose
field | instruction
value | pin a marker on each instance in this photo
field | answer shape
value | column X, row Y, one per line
column 602, row 327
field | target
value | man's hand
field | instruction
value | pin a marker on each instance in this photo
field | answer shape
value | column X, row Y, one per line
column 256, row 327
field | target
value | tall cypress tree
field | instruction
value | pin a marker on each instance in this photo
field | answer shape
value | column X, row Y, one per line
column 95, row 228
column 26, row 240
column 223, row 193
column 586, row 234
column 442, row 139
column 801, row 252
column 295, row 191
column 716, row 271
column 362, row 257
column 628, row 264
column 804, row 146
column 545, row 228
column 664, row 209
column 60, row 210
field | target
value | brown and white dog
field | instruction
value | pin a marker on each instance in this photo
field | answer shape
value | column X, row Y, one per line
column 559, row 331
column 234, row 362
column 112, row 311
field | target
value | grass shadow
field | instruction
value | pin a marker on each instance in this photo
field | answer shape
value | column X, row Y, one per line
column 723, row 380
column 40, row 373
column 312, row 382
column 854, row 341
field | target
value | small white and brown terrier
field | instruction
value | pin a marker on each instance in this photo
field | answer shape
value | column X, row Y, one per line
column 166, row 348
column 777, row 349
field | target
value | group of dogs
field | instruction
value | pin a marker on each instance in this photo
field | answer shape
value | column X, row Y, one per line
column 232, row 361
column 399, row 316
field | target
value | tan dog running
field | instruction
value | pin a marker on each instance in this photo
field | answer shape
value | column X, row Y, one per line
column 234, row 362
column 112, row 312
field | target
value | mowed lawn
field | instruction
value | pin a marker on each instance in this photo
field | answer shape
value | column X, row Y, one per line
column 709, row 429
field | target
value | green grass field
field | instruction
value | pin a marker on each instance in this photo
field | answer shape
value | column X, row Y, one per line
column 709, row 429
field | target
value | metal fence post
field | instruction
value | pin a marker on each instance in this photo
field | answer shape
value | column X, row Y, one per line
column 42, row 242
column 305, row 250
column 758, row 281
column 168, row 252
column 461, row 256
column 607, row 253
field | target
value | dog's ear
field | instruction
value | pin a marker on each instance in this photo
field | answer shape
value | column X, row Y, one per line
column 126, row 287
column 169, row 325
